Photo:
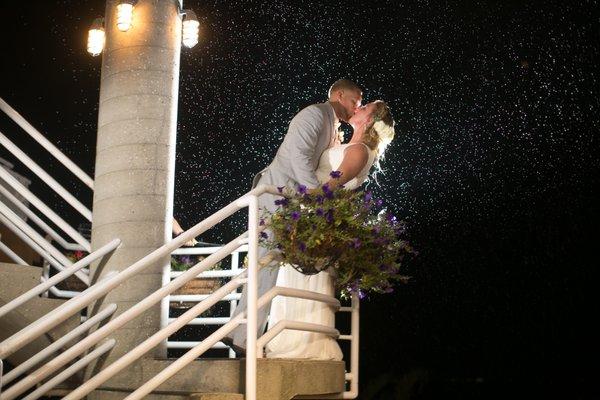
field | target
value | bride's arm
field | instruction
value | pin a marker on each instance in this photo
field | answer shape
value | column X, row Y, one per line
column 355, row 159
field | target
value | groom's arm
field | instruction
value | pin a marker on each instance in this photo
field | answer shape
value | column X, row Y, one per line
column 302, row 140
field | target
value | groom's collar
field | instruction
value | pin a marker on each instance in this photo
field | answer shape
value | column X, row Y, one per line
column 335, row 120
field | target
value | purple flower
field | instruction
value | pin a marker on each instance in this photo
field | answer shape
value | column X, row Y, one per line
column 282, row 202
column 391, row 218
column 320, row 212
column 302, row 247
column 381, row 241
column 301, row 189
column 187, row 260
column 327, row 191
column 280, row 189
column 329, row 215
column 368, row 197
column 356, row 243
column 295, row 215
column 378, row 203
column 261, row 222
column 264, row 235
column 319, row 199
column 335, row 174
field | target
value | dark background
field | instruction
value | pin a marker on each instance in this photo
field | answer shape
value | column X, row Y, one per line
column 495, row 164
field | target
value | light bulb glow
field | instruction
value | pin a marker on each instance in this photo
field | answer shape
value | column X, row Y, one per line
column 190, row 32
column 124, row 16
column 95, row 43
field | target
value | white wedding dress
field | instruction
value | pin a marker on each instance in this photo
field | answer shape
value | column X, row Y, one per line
column 299, row 344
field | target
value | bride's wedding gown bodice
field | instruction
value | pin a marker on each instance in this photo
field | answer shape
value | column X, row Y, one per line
column 331, row 159
column 299, row 344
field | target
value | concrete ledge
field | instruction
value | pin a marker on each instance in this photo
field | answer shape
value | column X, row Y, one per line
column 216, row 396
column 278, row 379
column 15, row 280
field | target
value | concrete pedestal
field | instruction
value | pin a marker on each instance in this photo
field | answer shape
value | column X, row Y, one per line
column 135, row 159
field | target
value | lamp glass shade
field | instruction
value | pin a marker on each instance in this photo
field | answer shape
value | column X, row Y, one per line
column 190, row 34
column 124, row 16
column 95, row 43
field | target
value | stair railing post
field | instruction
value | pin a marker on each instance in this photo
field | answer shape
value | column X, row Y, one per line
column 252, row 286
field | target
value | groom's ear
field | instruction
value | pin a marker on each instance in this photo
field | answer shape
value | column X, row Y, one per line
column 336, row 95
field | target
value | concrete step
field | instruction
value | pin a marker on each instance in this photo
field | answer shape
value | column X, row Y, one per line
column 14, row 280
column 277, row 379
column 216, row 396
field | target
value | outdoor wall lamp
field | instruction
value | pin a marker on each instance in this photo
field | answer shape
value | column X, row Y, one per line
column 190, row 28
column 125, row 14
column 96, row 37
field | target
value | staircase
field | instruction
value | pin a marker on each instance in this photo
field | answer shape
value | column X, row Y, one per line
column 42, row 322
column 14, row 280
column 216, row 379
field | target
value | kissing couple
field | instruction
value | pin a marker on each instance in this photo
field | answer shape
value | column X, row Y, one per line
column 310, row 151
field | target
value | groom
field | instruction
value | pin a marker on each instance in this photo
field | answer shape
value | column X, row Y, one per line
column 311, row 131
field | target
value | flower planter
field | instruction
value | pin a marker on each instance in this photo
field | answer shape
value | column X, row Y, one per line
column 195, row 286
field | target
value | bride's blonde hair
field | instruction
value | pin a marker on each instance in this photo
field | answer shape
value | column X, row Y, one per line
column 379, row 133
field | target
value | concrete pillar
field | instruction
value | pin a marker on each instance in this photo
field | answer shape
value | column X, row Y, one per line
column 135, row 154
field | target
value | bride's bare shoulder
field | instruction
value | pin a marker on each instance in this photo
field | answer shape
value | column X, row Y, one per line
column 356, row 151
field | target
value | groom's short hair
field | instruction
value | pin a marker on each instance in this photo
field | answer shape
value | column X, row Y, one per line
column 343, row 84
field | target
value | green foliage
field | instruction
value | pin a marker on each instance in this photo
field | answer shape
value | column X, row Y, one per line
column 339, row 228
column 185, row 262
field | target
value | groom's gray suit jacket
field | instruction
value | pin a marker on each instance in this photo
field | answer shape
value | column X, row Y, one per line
column 310, row 133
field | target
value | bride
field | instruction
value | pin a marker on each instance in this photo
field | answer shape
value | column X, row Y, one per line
column 373, row 131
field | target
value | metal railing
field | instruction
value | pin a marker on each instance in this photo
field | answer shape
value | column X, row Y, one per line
column 112, row 280
column 232, row 270
column 249, row 317
column 39, row 244
column 64, row 274
column 41, row 139
column 57, row 345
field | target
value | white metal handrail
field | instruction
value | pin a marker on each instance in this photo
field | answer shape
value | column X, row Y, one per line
column 40, row 205
column 35, row 134
column 58, row 344
column 82, row 363
column 232, row 270
column 42, row 287
column 38, row 328
column 154, row 340
column 293, row 325
column 45, row 177
column 351, row 376
column 38, row 221
column 38, row 249
column 207, row 343
column 40, row 241
column 11, row 254
column 249, row 316
column 98, row 290
column 33, row 234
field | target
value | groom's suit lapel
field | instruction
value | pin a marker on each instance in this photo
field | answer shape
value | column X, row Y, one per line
column 330, row 123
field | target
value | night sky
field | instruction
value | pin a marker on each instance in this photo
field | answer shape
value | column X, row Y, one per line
column 495, row 165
